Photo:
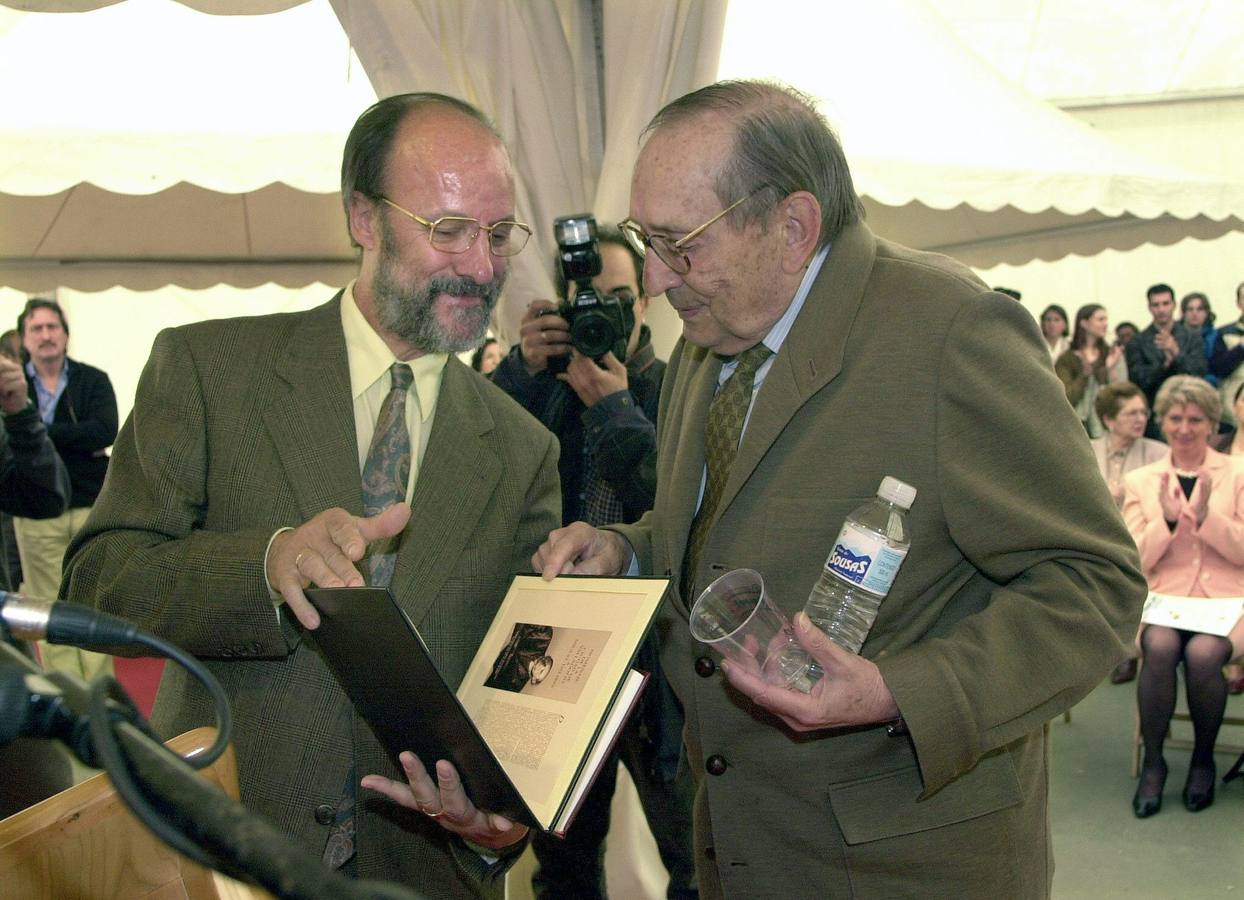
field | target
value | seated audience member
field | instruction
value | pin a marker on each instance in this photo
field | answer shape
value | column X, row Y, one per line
column 1186, row 514
column 1124, row 412
column 1231, row 442
column 1197, row 315
column 487, row 355
column 1227, row 361
column 1165, row 348
column 1089, row 365
column 1124, row 332
column 1054, row 328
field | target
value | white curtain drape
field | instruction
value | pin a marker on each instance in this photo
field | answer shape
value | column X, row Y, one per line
column 532, row 66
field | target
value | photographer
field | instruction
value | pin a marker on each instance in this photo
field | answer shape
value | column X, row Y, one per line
column 604, row 414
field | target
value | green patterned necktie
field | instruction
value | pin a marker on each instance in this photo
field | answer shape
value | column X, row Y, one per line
column 722, row 431
column 387, row 470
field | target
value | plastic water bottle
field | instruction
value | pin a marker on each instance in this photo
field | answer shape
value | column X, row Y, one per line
column 862, row 566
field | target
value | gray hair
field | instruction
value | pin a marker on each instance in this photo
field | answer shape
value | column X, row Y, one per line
column 1181, row 389
column 782, row 144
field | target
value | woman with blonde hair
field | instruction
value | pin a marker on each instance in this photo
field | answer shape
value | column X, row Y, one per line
column 1186, row 514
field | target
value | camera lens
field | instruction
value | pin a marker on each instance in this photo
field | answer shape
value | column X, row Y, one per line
column 592, row 334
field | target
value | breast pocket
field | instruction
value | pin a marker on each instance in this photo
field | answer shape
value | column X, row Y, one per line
column 798, row 535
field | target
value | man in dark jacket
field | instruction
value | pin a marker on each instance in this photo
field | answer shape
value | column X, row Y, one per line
column 77, row 404
column 1163, row 349
column 603, row 414
column 34, row 483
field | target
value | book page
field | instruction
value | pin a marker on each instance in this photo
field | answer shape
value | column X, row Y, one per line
column 1207, row 615
column 623, row 705
column 547, row 673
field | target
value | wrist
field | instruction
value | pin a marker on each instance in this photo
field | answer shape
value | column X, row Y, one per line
column 528, row 367
column 273, row 593
column 28, row 405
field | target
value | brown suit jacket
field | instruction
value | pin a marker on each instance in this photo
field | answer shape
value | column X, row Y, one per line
column 1017, row 595
column 241, row 426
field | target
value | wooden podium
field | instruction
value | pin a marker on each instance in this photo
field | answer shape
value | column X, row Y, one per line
column 83, row 844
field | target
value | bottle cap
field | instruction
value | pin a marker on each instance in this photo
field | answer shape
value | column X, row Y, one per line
column 896, row 492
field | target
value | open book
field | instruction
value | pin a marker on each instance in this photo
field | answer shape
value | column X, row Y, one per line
column 540, row 706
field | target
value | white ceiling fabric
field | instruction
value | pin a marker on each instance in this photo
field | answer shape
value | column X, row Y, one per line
column 947, row 154
column 928, row 126
column 1079, row 52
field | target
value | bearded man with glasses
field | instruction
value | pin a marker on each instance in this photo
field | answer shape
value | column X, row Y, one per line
column 919, row 767
column 266, row 455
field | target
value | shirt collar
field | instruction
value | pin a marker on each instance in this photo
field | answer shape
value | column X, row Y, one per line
column 781, row 328
column 644, row 355
column 370, row 357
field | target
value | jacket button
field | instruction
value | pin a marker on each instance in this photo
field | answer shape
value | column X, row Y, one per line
column 704, row 666
column 325, row 814
column 710, row 852
column 715, row 764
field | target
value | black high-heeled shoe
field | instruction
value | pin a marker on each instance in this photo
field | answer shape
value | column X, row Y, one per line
column 1200, row 796
column 1149, row 803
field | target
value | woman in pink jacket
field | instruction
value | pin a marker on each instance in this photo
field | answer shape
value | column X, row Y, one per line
column 1186, row 513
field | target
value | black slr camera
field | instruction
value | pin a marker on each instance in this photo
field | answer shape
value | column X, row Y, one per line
column 598, row 322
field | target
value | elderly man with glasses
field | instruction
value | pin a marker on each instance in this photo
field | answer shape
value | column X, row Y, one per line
column 815, row 360
column 266, row 455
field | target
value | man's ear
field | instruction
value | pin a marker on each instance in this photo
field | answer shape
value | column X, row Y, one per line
column 364, row 227
column 800, row 221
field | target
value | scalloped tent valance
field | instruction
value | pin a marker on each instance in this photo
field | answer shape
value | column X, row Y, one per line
column 212, row 7
column 946, row 154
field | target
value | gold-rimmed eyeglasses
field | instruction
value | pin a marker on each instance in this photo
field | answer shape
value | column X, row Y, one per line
column 669, row 250
column 456, row 234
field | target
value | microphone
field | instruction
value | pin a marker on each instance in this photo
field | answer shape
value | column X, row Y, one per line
column 31, row 619
column 35, row 703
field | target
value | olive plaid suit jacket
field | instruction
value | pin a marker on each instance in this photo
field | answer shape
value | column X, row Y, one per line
column 242, row 426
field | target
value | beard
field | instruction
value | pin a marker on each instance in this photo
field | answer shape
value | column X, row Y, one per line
column 409, row 310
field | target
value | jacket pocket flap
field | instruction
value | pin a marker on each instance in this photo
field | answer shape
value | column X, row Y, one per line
column 889, row 805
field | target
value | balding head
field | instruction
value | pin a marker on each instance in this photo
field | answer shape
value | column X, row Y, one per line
column 365, row 162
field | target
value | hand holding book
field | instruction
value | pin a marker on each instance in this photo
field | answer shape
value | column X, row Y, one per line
column 447, row 802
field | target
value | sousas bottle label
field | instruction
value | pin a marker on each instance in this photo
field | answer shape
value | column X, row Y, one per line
column 864, row 558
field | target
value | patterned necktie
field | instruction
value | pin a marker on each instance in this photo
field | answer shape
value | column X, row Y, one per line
column 722, row 432
column 387, row 470
column 385, row 473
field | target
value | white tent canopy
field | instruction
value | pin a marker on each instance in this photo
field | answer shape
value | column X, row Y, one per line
column 950, row 156
column 946, row 154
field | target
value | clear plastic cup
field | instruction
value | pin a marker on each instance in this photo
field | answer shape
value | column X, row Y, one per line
column 737, row 618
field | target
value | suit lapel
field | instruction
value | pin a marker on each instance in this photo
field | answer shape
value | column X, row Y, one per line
column 311, row 422
column 459, row 474
column 812, row 354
